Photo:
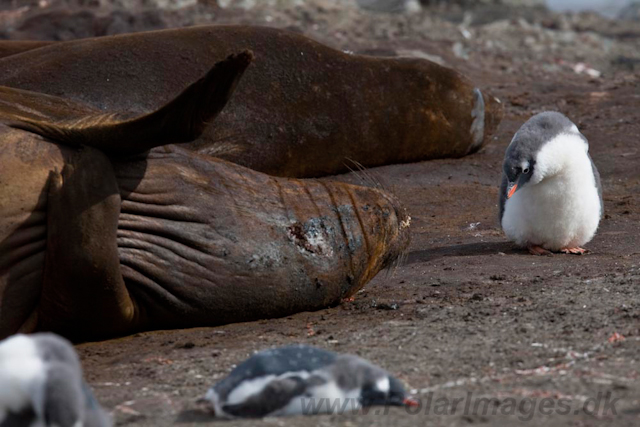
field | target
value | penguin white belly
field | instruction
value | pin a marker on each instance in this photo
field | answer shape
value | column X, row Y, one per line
column 562, row 211
column 327, row 398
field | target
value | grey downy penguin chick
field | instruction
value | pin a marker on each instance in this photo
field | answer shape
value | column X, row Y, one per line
column 41, row 385
column 550, row 195
column 305, row 380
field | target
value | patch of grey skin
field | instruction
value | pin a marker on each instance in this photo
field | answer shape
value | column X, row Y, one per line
column 267, row 257
column 477, row 127
column 311, row 238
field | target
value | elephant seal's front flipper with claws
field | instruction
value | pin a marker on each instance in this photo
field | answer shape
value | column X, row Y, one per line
column 82, row 277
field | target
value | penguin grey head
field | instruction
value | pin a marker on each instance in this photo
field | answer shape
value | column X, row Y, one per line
column 395, row 395
column 377, row 386
column 521, row 162
column 53, row 348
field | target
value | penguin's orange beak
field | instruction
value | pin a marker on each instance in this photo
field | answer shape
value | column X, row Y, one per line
column 512, row 190
column 410, row 402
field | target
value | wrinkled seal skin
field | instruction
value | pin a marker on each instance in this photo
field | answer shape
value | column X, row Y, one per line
column 176, row 240
column 100, row 238
column 303, row 110
column 248, row 244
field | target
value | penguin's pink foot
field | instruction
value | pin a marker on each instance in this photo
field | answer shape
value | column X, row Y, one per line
column 577, row 251
column 538, row 250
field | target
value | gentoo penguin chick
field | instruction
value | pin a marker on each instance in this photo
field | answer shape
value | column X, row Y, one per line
column 41, row 385
column 302, row 380
column 550, row 195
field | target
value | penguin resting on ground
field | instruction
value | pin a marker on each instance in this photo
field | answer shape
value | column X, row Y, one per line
column 305, row 380
column 550, row 195
column 41, row 385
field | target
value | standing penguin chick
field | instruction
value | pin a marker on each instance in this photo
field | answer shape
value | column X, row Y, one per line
column 305, row 380
column 550, row 195
column 41, row 385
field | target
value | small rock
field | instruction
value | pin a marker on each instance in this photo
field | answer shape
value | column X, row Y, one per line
column 388, row 306
column 187, row 345
column 476, row 297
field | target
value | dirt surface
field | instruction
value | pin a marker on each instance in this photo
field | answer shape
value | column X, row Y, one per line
column 464, row 315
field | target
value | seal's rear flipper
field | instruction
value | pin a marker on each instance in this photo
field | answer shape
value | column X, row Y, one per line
column 19, row 108
column 181, row 120
column 14, row 47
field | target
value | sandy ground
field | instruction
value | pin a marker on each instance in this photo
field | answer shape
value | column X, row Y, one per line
column 465, row 316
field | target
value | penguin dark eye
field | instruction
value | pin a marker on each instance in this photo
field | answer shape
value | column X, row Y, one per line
column 525, row 171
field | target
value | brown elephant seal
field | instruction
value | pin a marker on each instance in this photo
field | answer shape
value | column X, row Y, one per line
column 303, row 111
column 99, row 237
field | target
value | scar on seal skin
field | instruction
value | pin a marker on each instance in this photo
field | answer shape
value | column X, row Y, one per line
column 302, row 110
column 100, row 237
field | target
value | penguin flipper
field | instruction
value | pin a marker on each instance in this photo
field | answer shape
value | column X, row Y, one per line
column 274, row 396
column 63, row 396
column 503, row 195
column 83, row 292
column 596, row 176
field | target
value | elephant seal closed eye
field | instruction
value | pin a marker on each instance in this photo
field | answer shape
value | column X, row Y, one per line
column 302, row 111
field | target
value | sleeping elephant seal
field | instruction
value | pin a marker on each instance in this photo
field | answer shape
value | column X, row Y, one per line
column 99, row 237
column 303, row 111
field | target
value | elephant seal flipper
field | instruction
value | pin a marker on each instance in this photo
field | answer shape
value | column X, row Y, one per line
column 24, row 106
column 14, row 47
column 183, row 119
column 83, row 292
